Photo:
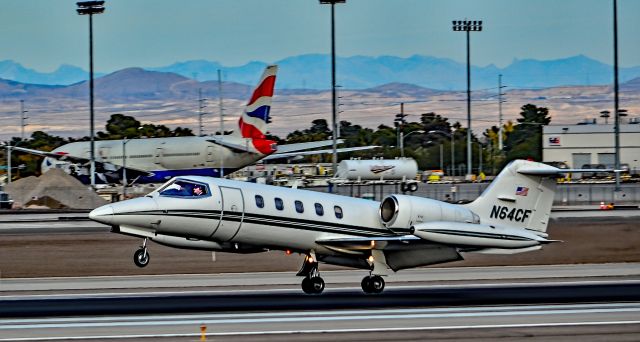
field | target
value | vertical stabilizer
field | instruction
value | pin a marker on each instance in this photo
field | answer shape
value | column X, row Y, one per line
column 255, row 118
column 520, row 196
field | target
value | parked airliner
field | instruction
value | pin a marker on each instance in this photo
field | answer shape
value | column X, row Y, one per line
column 156, row 160
column 400, row 232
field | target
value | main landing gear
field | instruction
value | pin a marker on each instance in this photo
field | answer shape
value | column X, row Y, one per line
column 141, row 256
column 372, row 284
column 312, row 282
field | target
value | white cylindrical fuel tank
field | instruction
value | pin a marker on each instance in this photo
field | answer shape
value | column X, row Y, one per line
column 378, row 169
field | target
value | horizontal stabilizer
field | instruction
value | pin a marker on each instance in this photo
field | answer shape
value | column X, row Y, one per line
column 315, row 152
column 235, row 147
column 306, row 145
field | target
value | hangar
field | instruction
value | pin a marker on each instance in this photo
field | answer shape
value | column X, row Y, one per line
column 581, row 144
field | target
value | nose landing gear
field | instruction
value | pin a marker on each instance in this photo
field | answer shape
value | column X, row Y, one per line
column 141, row 256
column 312, row 282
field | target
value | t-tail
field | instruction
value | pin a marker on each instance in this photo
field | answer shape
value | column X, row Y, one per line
column 520, row 197
column 254, row 121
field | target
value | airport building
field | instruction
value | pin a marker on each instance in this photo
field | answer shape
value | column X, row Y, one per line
column 581, row 144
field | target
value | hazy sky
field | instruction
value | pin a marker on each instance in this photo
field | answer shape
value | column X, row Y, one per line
column 42, row 34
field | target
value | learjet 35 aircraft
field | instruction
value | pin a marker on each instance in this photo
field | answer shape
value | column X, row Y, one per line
column 400, row 232
column 155, row 160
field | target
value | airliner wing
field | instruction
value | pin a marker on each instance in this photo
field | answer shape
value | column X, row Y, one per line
column 55, row 155
column 63, row 156
column 313, row 152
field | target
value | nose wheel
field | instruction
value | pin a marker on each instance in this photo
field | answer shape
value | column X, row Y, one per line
column 372, row 284
column 141, row 256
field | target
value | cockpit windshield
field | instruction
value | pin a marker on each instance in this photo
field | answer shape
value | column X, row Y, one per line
column 185, row 188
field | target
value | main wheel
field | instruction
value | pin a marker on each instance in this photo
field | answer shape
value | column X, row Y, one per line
column 372, row 284
column 141, row 257
column 377, row 284
column 313, row 285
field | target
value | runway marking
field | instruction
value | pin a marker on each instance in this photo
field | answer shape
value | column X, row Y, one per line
column 335, row 316
column 323, row 313
column 318, row 331
column 391, row 287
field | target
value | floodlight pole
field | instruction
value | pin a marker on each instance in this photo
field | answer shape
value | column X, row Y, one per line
column 90, row 8
column 468, row 26
column 616, row 104
column 334, row 109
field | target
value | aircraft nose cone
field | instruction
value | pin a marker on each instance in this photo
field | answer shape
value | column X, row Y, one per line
column 103, row 214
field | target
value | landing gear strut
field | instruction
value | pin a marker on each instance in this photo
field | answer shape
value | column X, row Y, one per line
column 141, row 256
column 372, row 284
column 312, row 282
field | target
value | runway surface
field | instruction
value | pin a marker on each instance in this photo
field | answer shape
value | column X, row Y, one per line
column 288, row 280
column 343, row 311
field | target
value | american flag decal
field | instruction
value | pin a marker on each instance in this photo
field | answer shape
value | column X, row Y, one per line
column 522, row 191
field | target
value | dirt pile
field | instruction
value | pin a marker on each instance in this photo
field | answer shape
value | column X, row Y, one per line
column 57, row 187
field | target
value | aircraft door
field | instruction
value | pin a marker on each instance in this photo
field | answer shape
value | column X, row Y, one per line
column 157, row 158
column 210, row 154
column 232, row 214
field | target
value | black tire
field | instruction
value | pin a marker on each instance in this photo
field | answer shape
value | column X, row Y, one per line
column 306, row 286
column 413, row 187
column 377, row 284
column 317, row 285
column 366, row 284
column 141, row 258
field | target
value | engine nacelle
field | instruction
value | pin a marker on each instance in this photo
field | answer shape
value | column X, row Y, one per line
column 400, row 212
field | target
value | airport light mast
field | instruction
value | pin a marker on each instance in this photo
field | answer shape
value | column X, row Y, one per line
column 334, row 124
column 468, row 26
column 616, row 101
column 90, row 8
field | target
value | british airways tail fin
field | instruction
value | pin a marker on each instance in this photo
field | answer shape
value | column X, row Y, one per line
column 255, row 118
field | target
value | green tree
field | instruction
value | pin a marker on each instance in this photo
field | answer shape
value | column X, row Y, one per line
column 525, row 141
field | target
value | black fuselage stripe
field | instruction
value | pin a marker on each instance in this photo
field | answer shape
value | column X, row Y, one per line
column 270, row 221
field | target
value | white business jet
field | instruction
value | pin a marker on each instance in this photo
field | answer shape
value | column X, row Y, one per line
column 400, row 232
column 155, row 160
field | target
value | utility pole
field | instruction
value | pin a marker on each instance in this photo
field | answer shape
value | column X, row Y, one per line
column 221, row 121
column 468, row 26
column 9, row 162
column 201, row 106
column 400, row 121
column 23, row 119
column 500, row 128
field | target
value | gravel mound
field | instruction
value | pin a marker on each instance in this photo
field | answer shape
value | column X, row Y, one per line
column 56, row 185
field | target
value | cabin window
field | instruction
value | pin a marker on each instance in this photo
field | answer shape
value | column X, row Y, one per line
column 338, row 211
column 259, row 201
column 279, row 203
column 186, row 189
column 319, row 209
column 299, row 206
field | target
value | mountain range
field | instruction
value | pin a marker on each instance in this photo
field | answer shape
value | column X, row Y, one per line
column 363, row 72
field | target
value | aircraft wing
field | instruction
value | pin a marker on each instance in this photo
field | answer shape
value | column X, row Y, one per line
column 359, row 244
column 313, row 152
column 63, row 156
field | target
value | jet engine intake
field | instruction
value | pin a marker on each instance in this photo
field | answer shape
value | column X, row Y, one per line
column 400, row 212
